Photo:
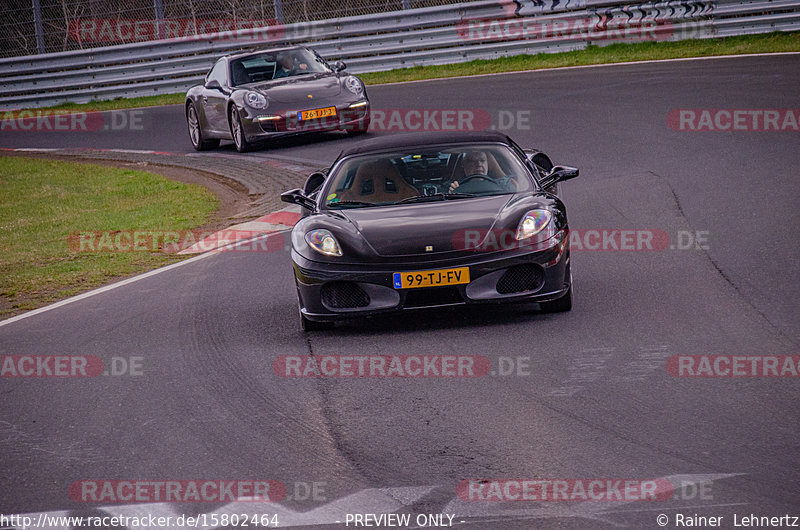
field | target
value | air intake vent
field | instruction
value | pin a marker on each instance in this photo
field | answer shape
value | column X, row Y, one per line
column 520, row 278
column 344, row 295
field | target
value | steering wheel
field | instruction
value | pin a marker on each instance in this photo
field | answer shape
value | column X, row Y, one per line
column 468, row 178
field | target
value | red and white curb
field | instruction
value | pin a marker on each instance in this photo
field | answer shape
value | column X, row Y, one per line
column 228, row 238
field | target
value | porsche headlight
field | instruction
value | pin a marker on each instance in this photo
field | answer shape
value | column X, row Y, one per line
column 533, row 222
column 256, row 100
column 323, row 242
column 353, row 84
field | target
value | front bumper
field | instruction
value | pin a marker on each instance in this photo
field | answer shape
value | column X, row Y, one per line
column 262, row 125
column 336, row 292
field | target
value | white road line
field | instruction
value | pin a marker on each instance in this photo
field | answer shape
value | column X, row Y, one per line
column 127, row 281
column 104, row 289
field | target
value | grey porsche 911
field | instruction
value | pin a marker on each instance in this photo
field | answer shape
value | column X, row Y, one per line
column 250, row 97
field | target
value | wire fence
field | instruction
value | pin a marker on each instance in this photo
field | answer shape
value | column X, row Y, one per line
column 42, row 26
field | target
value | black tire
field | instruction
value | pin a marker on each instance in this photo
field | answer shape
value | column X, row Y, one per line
column 237, row 131
column 196, row 131
column 312, row 325
column 558, row 306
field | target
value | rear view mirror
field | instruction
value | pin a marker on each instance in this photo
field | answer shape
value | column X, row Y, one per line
column 338, row 66
column 213, row 85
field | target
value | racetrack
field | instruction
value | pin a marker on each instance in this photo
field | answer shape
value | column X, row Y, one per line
column 597, row 401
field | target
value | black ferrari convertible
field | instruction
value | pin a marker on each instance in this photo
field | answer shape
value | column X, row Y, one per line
column 413, row 221
column 251, row 97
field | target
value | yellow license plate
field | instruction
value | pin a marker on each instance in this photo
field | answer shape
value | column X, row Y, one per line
column 316, row 113
column 434, row 278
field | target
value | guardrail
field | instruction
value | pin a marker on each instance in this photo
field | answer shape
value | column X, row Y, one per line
column 399, row 39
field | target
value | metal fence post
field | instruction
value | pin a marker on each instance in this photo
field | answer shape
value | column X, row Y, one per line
column 278, row 5
column 158, row 6
column 37, row 22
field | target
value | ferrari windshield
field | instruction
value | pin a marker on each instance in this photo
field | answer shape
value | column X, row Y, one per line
column 427, row 175
column 275, row 65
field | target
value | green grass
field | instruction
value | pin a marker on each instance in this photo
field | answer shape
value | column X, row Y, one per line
column 614, row 53
column 42, row 202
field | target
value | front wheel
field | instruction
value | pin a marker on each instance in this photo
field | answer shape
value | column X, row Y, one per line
column 237, row 131
column 196, row 132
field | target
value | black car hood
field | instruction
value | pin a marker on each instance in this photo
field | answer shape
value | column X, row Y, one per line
column 408, row 230
column 294, row 89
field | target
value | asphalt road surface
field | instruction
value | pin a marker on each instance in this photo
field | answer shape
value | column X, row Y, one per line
column 589, row 397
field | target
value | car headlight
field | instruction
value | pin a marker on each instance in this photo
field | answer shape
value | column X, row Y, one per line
column 532, row 223
column 323, row 242
column 353, row 84
column 256, row 100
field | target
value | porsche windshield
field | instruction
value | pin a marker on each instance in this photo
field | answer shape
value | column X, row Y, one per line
column 449, row 173
column 275, row 65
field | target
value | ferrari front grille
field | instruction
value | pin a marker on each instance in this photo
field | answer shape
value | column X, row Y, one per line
column 519, row 279
column 344, row 295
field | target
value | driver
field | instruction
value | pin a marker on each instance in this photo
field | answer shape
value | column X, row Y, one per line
column 286, row 66
column 476, row 164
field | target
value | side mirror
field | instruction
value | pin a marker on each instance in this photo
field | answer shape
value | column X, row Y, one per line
column 296, row 196
column 338, row 66
column 213, row 85
column 313, row 183
column 559, row 174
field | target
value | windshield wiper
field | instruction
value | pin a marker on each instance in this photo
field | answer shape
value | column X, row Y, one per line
column 423, row 198
column 437, row 197
column 350, row 203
